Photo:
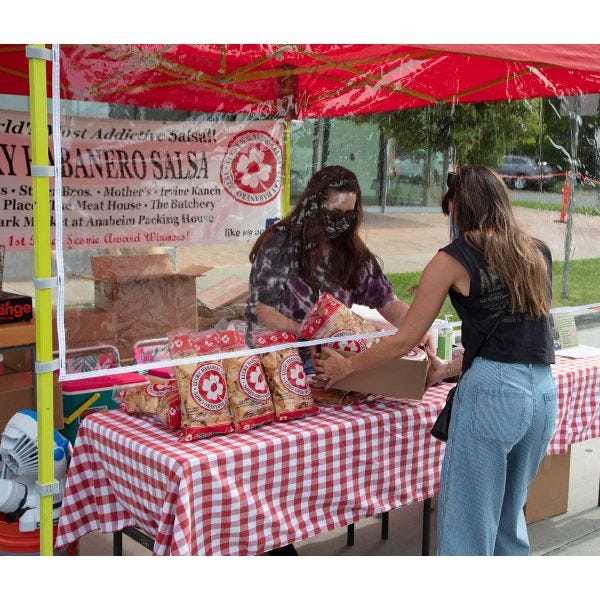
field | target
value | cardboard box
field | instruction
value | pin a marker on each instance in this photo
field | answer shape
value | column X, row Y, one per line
column 86, row 326
column 223, row 300
column 548, row 495
column 16, row 393
column 15, row 308
column 231, row 290
column 16, row 361
column 17, row 334
column 146, row 296
column 400, row 378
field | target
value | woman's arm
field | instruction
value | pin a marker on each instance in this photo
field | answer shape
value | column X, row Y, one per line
column 270, row 317
column 268, row 276
column 394, row 312
column 441, row 273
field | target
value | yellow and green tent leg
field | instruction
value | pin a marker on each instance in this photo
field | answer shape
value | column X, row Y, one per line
column 43, row 297
column 287, row 167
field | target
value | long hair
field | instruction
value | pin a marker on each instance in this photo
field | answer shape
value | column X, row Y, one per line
column 305, row 224
column 483, row 214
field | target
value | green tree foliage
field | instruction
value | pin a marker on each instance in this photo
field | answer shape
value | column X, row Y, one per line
column 557, row 140
column 478, row 133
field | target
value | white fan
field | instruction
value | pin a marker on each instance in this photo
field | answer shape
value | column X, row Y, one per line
column 19, row 498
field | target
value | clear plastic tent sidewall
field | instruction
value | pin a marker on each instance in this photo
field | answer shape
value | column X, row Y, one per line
column 146, row 186
column 149, row 197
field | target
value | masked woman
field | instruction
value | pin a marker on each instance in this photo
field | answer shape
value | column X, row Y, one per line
column 317, row 249
column 499, row 282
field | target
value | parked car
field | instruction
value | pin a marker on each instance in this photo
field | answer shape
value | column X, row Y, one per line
column 522, row 172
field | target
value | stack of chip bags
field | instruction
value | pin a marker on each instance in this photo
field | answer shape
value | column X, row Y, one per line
column 159, row 400
column 328, row 317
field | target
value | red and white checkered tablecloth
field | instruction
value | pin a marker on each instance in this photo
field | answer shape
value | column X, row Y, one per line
column 247, row 493
column 578, row 418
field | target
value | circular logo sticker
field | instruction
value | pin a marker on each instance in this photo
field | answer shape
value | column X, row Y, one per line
column 156, row 390
column 249, row 171
column 207, row 386
column 349, row 345
column 252, row 380
column 291, row 373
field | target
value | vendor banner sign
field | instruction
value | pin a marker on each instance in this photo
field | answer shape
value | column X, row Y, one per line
column 146, row 183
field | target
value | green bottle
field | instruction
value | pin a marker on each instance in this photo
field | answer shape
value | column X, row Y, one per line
column 444, row 345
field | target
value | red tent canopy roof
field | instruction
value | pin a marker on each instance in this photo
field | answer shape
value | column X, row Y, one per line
column 311, row 80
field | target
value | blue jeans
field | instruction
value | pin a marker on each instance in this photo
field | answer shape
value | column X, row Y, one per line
column 503, row 417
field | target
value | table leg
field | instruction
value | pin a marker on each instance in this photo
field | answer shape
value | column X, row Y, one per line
column 425, row 549
column 385, row 525
column 140, row 537
column 118, row 543
column 136, row 535
column 350, row 535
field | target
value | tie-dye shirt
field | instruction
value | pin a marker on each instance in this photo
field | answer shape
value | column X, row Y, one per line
column 275, row 280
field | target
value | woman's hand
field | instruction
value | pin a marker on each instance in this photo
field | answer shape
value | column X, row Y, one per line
column 331, row 367
column 427, row 341
column 440, row 370
column 437, row 369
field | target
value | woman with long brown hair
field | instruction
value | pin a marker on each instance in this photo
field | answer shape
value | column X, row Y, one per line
column 317, row 248
column 499, row 281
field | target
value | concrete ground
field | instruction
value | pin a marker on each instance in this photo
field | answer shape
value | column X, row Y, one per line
column 406, row 238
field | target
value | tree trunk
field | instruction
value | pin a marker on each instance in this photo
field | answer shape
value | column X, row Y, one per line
column 427, row 178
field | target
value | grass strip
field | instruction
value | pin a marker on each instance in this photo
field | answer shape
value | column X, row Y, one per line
column 584, row 285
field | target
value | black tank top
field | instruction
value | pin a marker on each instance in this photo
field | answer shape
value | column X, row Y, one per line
column 517, row 338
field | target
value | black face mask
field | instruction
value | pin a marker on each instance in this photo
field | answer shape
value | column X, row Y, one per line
column 336, row 222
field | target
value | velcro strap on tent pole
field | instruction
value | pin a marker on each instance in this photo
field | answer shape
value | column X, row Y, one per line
column 45, row 283
column 48, row 489
column 46, row 367
column 36, row 52
column 42, row 171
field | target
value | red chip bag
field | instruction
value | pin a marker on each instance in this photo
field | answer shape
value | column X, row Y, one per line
column 285, row 373
column 250, row 399
column 329, row 317
column 202, row 385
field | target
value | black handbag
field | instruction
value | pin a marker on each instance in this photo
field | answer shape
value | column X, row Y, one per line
column 439, row 430
column 442, row 423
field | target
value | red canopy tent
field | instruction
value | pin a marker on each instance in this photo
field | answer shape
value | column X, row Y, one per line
column 311, row 80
